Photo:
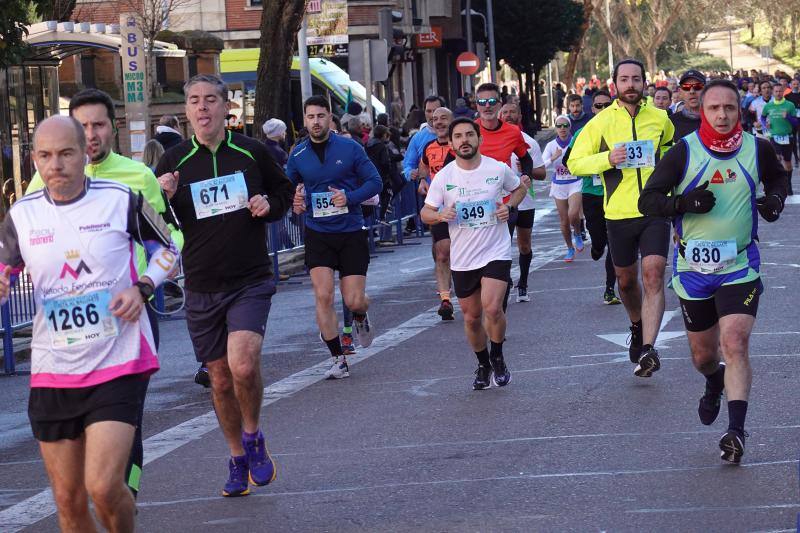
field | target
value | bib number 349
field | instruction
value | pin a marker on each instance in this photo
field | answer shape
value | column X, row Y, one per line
column 476, row 214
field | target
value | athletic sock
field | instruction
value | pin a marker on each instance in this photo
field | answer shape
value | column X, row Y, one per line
column 646, row 347
column 335, row 346
column 496, row 349
column 524, row 268
column 716, row 381
column 347, row 330
column 737, row 411
column 483, row 357
column 611, row 275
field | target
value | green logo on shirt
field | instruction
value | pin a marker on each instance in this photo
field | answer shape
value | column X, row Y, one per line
column 495, row 179
column 450, row 187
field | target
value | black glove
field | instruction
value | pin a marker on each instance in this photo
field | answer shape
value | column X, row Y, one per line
column 769, row 207
column 698, row 200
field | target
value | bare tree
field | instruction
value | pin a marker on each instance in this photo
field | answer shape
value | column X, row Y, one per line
column 575, row 52
column 280, row 22
column 152, row 17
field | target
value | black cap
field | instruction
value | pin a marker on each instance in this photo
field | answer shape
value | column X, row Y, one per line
column 692, row 73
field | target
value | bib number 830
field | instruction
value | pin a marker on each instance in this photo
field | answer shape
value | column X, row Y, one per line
column 77, row 318
column 209, row 195
column 475, row 211
column 706, row 255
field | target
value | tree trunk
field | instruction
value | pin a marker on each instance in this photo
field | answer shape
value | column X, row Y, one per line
column 575, row 51
column 793, row 31
column 650, row 62
column 280, row 22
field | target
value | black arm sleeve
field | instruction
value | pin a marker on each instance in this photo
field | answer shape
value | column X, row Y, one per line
column 144, row 223
column 773, row 175
column 526, row 163
column 279, row 189
column 654, row 199
column 10, row 254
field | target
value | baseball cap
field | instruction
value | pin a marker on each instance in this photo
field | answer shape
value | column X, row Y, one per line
column 692, row 73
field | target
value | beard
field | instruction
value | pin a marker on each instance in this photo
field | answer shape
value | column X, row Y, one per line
column 468, row 155
column 629, row 98
column 323, row 133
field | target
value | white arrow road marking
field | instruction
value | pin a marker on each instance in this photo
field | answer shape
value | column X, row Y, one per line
column 663, row 336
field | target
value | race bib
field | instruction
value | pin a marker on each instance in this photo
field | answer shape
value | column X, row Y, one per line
column 322, row 205
column 596, row 180
column 562, row 172
column 217, row 196
column 781, row 139
column 75, row 320
column 477, row 214
column 710, row 257
column 639, row 154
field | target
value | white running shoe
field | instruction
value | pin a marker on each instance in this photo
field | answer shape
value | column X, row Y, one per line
column 364, row 331
column 339, row 369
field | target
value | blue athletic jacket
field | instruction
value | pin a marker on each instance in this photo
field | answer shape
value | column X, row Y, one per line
column 415, row 148
column 347, row 167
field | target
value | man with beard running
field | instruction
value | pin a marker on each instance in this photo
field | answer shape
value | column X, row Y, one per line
column 709, row 183
column 523, row 221
column 467, row 195
column 622, row 144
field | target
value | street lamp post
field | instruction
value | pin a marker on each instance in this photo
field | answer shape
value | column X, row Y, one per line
column 470, row 44
column 492, row 54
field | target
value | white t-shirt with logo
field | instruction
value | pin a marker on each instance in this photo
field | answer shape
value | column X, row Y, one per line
column 536, row 154
column 476, row 237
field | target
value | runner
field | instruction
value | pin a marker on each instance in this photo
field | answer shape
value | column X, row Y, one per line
column 467, row 196
column 565, row 188
column 94, row 110
column 794, row 97
column 622, row 144
column 92, row 351
column 662, row 99
column 333, row 176
column 687, row 120
column 592, row 203
column 420, row 140
column 523, row 222
column 436, row 155
column 716, row 266
column 224, row 188
column 778, row 116
column 757, row 106
column 577, row 116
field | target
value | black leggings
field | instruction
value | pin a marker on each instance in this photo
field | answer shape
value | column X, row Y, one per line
column 596, row 224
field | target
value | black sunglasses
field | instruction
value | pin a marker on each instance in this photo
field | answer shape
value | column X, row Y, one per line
column 562, row 126
column 601, row 106
column 487, row 101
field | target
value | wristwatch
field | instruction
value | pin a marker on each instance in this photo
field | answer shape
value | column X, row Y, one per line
column 145, row 289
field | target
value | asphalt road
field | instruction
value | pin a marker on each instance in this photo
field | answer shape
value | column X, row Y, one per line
column 574, row 443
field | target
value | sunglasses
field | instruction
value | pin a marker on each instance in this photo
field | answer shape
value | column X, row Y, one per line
column 487, row 101
column 601, row 106
column 562, row 126
column 697, row 86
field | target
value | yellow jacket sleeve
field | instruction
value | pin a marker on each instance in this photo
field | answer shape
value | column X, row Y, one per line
column 584, row 160
column 36, row 183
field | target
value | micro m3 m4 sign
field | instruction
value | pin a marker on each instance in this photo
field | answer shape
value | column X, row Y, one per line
column 134, row 82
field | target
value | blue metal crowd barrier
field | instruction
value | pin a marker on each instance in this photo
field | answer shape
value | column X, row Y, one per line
column 15, row 314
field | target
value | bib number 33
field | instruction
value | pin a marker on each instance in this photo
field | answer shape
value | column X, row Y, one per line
column 638, row 154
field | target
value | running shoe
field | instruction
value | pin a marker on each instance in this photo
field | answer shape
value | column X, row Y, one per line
column 648, row 363
column 579, row 242
column 347, row 344
column 483, row 378
column 338, row 369
column 732, row 446
column 364, row 331
column 522, row 295
column 635, row 341
column 708, row 409
column 201, row 377
column 237, row 477
column 596, row 254
column 446, row 310
column 609, row 298
column 261, row 466
column 500, row 374
column 570, row 255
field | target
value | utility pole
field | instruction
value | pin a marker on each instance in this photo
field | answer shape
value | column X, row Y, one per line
column 470, row 44
column 492, row 53
column 305, row 70
column 610, row 48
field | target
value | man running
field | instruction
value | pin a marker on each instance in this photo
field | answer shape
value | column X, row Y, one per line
column 420, row 140
column 777, row 117
column 333, row 176
column 592, row 203
column 577, row 116
column 92, row 351
column 757, row 106
column 467, row 195
column 525, row 213
column 94, row 110
column 794, row 97
column 687, row 120
column 622, row 144
column 224, row 188
column 716, row 266
column 436, row 155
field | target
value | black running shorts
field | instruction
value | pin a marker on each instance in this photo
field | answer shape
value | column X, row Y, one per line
column 735, row 299
column 629, row 237
column 466, row 282
column 346, row 252
column 525, row 218
column 440, row 231
column 57, row 414
column 210, row 316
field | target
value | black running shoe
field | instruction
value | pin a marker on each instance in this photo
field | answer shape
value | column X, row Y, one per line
column 635, row 341
column 446, row 310
column 201, row 377
column 596, row 254
column 648, row 363
column 500, row 374
column 732, row 446
column 483, row 378
column 708, row 409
